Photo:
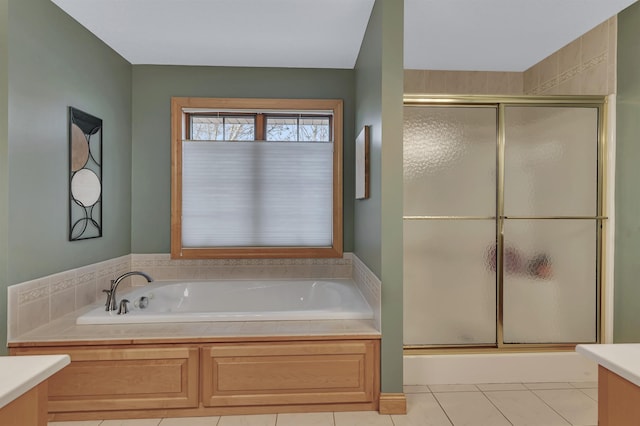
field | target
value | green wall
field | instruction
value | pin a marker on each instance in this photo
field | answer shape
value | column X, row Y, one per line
column 367, row 212
column 54, row 63
column 153, row 87
column 378, row 220
column 627, row 201
column 4, row 173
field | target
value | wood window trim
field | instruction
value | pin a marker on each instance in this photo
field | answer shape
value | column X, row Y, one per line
column 179, row 131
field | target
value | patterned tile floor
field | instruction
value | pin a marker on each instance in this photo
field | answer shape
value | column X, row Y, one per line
column 512, row 404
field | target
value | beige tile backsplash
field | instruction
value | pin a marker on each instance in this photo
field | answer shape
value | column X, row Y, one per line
column 162, row 267
column 35, row 303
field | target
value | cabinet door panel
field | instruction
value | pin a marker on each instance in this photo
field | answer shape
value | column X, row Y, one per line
column 123, row 379
column 289, row 373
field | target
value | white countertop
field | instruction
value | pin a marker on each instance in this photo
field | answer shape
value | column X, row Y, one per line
column 19, row 374
column 621, row 358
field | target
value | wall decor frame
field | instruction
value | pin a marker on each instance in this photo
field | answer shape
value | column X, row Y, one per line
column 85, row 175
column 362, row 164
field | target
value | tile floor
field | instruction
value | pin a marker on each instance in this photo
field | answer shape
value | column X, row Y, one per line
column 513, row 404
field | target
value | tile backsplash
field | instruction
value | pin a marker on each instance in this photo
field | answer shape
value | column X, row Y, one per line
column 370, row 286
column 37, row 302
column 162, row 267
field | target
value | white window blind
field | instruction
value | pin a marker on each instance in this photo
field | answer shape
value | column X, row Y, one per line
column 257, row 194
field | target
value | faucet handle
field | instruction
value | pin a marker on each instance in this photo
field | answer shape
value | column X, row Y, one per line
column 123, row 309
column 109, row 293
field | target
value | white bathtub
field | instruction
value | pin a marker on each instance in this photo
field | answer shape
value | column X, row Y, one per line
column 238, row 300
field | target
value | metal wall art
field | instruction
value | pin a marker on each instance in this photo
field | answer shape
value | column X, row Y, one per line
column 85, row 175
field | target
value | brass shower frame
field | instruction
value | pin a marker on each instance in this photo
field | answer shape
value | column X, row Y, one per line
column 500, row 103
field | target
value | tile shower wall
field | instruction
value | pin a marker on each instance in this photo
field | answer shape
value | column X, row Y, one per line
column 35, row 303
column 463, row 82
column 586, row 66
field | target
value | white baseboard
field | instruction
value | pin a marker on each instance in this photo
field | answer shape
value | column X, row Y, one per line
column 498, row 368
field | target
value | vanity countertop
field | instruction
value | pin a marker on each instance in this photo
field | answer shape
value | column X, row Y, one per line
column 19, row 374
column 620, row 358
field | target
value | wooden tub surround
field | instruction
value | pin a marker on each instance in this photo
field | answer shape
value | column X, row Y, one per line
column 214, row 375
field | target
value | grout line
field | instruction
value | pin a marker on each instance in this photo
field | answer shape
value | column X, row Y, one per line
column 583, row 391
column 553, row 409
column 442, row 408
column 496, row 407
column 393, row 422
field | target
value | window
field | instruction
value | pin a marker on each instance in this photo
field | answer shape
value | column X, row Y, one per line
column 222, row 128
column 256, row 178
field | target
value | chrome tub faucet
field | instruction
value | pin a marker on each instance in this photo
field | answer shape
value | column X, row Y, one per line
column 112, row 303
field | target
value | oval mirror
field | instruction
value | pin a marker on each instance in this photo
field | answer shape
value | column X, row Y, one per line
column 85, row 187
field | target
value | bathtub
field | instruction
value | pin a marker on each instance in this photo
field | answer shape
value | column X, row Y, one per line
column 237, row 300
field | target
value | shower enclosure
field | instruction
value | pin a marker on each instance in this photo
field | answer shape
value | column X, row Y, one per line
column 503, row 215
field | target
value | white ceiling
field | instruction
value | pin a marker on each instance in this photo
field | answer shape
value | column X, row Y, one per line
column 496, row 35
column 489, row 35
column 252, row 33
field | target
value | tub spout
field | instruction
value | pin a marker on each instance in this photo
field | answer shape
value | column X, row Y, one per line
column 123, row 307
column 112, row 303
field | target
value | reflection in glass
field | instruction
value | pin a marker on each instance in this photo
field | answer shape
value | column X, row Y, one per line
column 550, row 292
column 450, row 282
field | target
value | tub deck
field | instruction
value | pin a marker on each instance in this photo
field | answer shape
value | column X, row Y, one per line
column 65, row 331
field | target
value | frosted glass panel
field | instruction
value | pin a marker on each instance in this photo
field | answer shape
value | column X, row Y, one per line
column 550, row 281
column 449, row 161
column 450, row 282
column 551, row 161
column 242, row 194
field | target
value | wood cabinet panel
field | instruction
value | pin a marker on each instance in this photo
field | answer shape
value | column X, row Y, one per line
column 213, row 378
column 29, row 409
column 618, row 400
column 289, row 373
column 123, row 378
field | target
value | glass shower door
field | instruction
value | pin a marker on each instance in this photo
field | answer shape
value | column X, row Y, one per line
column 550, row 224
column 450, row 225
